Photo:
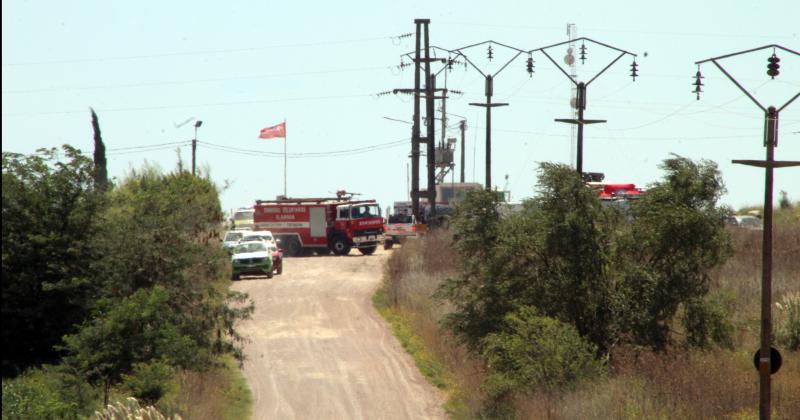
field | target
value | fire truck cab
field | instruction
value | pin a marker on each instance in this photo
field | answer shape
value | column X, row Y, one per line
column 322, row 225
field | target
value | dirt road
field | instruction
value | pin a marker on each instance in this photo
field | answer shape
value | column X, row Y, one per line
column 319, row 350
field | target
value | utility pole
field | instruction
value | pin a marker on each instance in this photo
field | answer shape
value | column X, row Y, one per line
column 430, row 91
column 416, row 137
column 489, row 90
column 463, row 127
column 415, row 129
column 768, row 358
column 581, row 87
column 197, row 124
column 489, row 105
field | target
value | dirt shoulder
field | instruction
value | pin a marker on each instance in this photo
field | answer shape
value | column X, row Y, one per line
column 320, row 350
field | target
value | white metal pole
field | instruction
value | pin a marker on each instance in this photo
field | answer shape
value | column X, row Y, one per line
column 285, row 140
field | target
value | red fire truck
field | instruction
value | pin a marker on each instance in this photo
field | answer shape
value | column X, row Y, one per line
column 321, row 224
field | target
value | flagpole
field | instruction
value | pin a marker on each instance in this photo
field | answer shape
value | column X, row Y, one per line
column 285, row 140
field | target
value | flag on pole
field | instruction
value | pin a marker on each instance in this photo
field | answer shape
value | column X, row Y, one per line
column 274, row 131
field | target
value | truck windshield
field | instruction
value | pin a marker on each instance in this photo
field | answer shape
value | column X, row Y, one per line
column 243, row 215
column 400, row 218
column 364, row 211
column 233, row 236
column 250, row 247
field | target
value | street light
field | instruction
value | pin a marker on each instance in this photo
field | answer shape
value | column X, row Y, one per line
column 197, row 124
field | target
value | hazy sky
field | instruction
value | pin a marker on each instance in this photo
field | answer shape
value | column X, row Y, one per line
column 151, row 68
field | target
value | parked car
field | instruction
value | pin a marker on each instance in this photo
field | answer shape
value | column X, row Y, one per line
column 251, row 258
column 397, row 229
column 277, row 259
column 232, row 237
column 259, row 235
column 748, row 222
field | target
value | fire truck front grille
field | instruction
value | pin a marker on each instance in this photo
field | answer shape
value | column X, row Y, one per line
column 367, row 232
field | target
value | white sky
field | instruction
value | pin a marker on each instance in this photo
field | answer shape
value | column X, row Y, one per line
column 147, row 67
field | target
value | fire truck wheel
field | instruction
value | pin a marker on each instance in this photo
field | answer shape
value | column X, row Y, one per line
column 269, row 275
column 369, row 250
column 388, row 244
column 340, row 246
column 280, row 269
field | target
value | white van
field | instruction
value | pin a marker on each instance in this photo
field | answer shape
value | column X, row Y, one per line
column 259, row 235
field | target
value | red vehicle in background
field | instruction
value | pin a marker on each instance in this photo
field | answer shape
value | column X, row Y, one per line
column 322, row 225
column 277, row 258
column 619, row 192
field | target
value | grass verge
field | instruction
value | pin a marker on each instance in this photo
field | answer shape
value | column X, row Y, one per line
column 220, row 393
column 434, row 370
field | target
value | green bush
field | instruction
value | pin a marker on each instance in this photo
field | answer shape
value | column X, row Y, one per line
column 149, row 381
column 535, row 352
column 706, row 322
column 46, row 394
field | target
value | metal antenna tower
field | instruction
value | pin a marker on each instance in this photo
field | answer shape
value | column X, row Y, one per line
column 569, row 59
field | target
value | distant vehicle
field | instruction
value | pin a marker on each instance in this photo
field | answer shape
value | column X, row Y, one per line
column 251, row 258
column 746, row 222
column 322, row 224
column 398, row 228
column 441, row 218
column 232, row 237
column 259, row 235
column 242, row 218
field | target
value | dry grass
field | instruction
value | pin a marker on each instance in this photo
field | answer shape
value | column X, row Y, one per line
column 689, row 384
column 685, row 385
column 219, row 393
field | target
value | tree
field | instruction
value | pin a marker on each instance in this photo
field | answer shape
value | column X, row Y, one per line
column 475, row 223
column 614, row 274
column 50, row 209
column 551, row 256
column 100, row 171
column 677, row 237
column 141, row 328
column 161, row 303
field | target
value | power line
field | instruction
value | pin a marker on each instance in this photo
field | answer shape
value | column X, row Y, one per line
column 298, row 155
column 631, row 31
column 154, row 108
column 187, row 53
column 147, row 146
column 186, row 82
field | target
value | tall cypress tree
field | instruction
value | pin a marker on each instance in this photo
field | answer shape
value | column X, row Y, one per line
column 100, row 171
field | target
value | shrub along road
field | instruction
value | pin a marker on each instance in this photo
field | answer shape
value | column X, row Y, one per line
column 319, row 349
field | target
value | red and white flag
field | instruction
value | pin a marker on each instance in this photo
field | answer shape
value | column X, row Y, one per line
column 274, row 131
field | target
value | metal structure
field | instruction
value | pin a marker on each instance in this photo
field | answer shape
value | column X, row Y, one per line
column 569, row 60
column 489, row 91
column 430, row 96
column 197, row 124
column 770, row 142
column 580, row 96
column 463, row 127
column 415, row 126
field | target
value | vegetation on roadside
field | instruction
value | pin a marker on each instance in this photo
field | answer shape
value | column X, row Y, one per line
column 679, row 320
column 111, row 291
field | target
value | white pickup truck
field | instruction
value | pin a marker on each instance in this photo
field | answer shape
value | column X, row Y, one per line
column 398, row 228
